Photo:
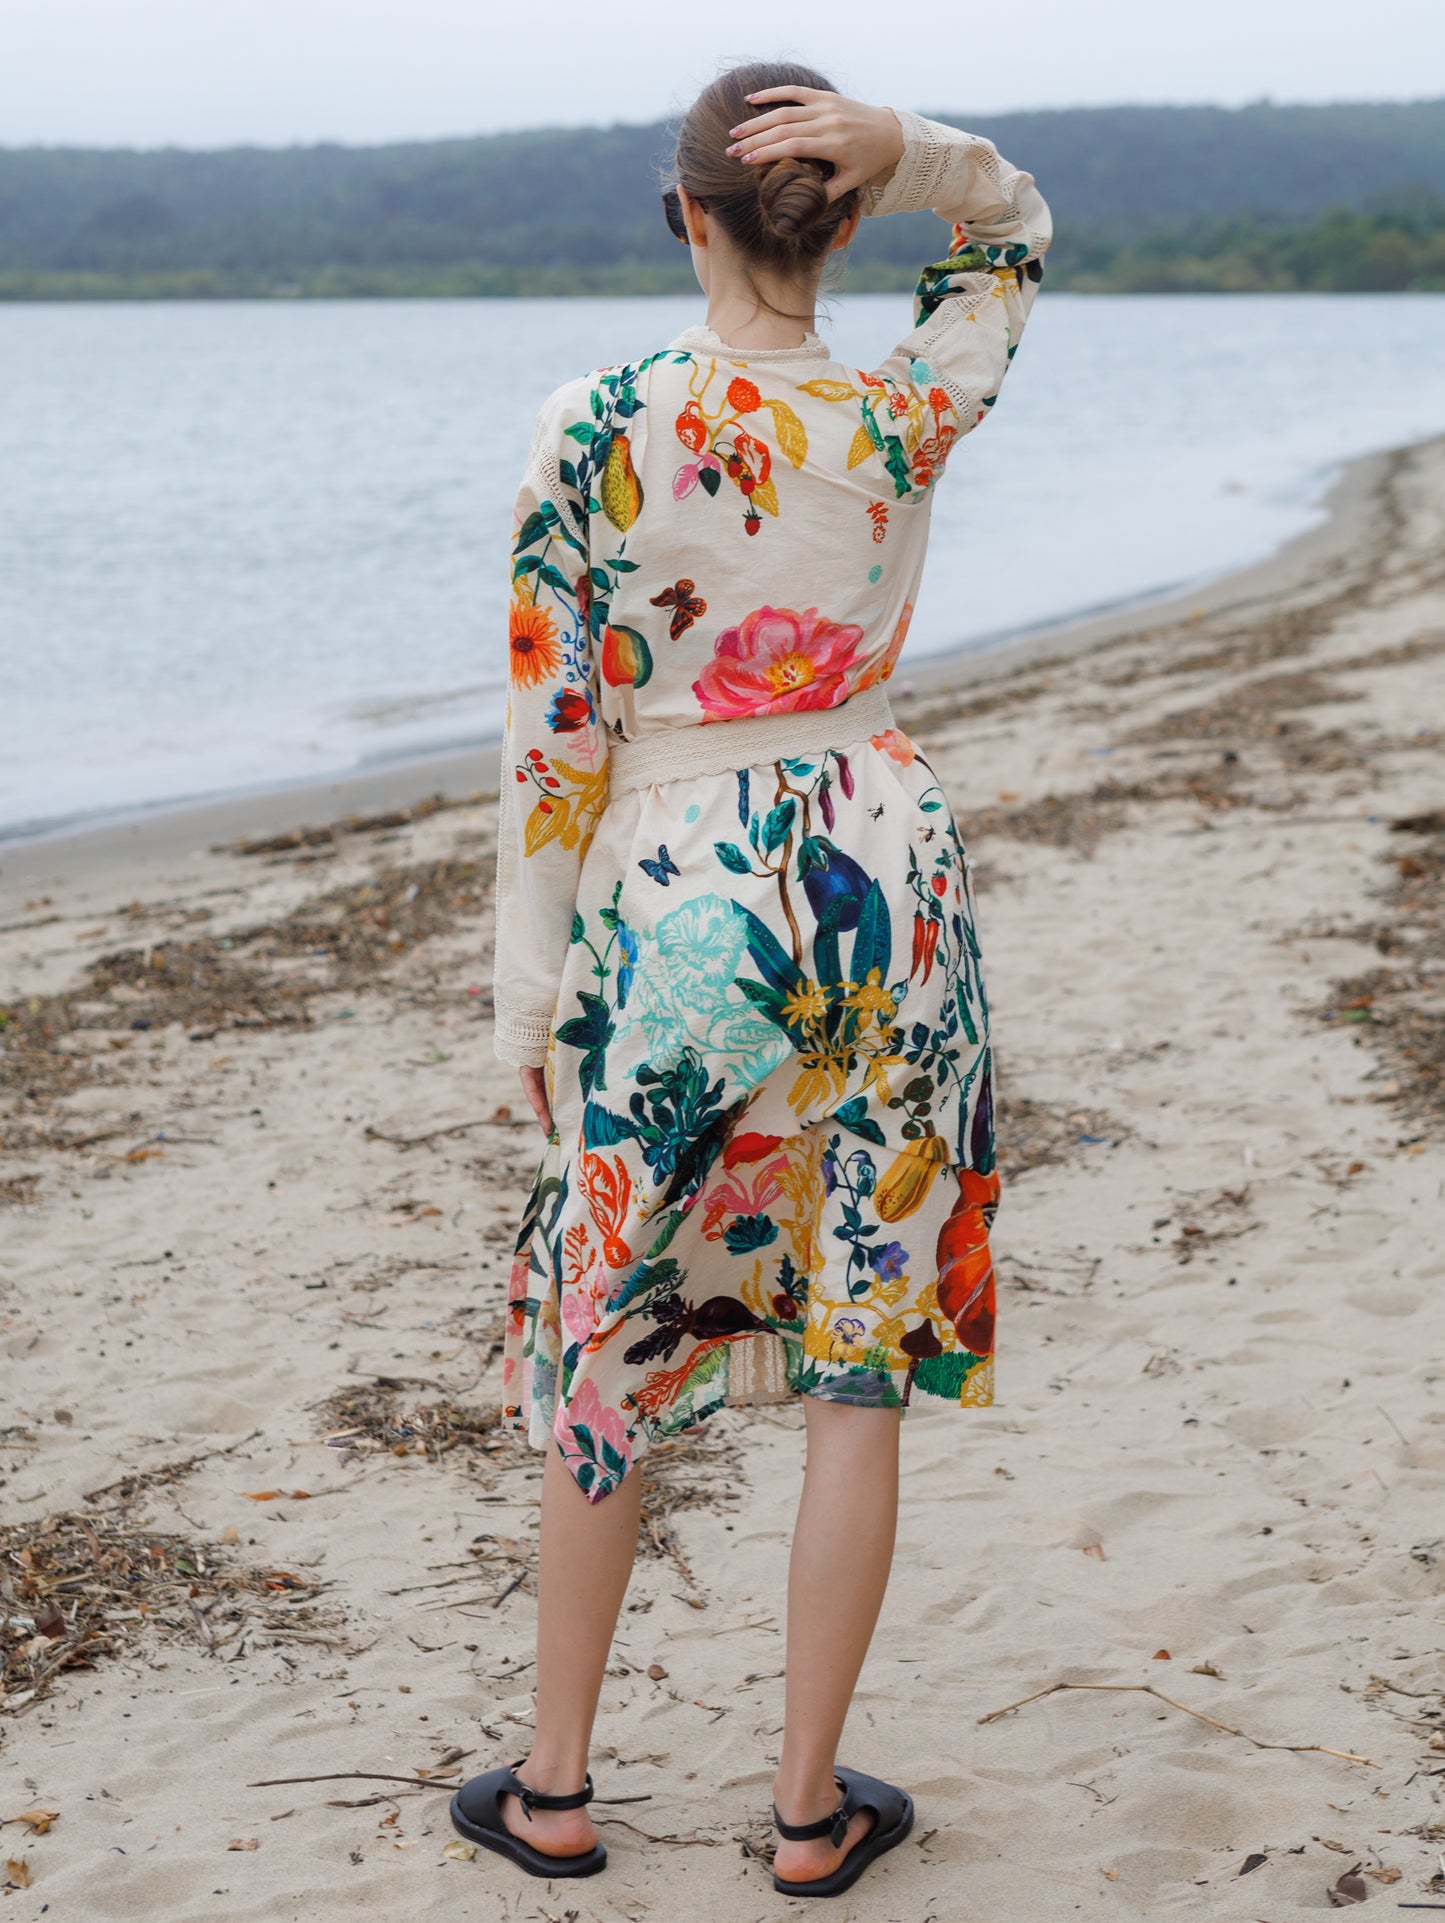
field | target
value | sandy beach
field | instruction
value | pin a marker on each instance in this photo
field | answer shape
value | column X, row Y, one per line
column 267, row 1561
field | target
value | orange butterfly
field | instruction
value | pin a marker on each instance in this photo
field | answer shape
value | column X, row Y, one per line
column 686, row 606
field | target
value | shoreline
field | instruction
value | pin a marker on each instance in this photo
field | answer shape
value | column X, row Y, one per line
column 261, row 1179
column 168, row 832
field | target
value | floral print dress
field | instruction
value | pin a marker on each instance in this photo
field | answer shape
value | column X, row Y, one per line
column 734, row 919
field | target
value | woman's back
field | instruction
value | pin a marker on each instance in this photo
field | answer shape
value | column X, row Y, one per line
column 735, row 921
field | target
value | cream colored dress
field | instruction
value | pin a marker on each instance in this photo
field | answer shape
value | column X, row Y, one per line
column 733, row 914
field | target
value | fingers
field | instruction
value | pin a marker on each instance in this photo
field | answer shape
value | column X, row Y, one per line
column 805, row 147
column 783, row 116
column 808, row 94
column 756, row 133
column 534, row 1087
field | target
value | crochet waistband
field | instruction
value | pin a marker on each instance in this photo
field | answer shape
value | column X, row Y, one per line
column 719, row 747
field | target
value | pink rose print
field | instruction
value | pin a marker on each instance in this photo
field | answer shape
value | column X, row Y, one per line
column 776, row 661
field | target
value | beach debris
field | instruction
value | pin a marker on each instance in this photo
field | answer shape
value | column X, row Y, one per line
column 1148, row 1689
column 19, row 1191
column 1399, row 1008
column 1252, row 1862
column 423, row 1779
column 459, row 1851
column 329, row 833
column 1033, row 1134
column 1349, row 1889
column 37, row 1821
column 244, row 1843
column 17, row 1873
column 79, row 1586
column 374, row 1417
column 259, row 977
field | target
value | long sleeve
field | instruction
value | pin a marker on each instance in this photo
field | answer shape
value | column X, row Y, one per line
column 970, row 308
column 554, row 760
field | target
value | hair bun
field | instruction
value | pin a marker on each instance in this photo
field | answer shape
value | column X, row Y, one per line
column 792, row 196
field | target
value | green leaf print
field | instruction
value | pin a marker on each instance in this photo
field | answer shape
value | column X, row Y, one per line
column 945, row 1375
column 732, row 857
column 750, row 1232
column 591, row 1032
column 778, row 967
column 873, row 943
column 853, row 1115
column 778, row 824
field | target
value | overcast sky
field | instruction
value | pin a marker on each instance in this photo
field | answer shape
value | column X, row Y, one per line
column 215, row 72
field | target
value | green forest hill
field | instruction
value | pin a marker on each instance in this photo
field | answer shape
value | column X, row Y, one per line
column 1146, row 199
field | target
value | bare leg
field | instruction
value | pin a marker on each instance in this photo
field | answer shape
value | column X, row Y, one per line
column 842, row 1551
column 585, row 1561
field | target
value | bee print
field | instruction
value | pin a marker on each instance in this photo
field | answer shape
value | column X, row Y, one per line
column 876, row 814
column 686, row 606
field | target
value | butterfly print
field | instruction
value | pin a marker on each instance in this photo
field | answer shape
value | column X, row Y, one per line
column 662, row 869
column 686, row 606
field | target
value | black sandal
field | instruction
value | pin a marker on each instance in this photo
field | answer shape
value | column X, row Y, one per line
column 477, row 1815
column 892, row 1820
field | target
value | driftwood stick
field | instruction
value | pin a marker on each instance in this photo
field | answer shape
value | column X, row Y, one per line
column 432, row 1134
column 361, row 1776
column 1148, row 1689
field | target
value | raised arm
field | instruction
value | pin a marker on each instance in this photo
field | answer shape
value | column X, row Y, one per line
column 970, row 306
column 554, row 761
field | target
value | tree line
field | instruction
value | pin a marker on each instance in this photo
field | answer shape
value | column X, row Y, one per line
column 1147, row 199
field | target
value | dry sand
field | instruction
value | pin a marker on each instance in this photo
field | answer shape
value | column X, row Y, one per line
column 1221, row 1419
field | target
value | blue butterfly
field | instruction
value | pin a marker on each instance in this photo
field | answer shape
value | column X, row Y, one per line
column 661, row 868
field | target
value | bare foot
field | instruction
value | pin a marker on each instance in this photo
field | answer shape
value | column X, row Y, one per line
column 555, row 1832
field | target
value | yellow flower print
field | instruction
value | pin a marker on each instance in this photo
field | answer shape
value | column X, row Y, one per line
column 821, row 1079
column 871, row 998
column 806, row 1006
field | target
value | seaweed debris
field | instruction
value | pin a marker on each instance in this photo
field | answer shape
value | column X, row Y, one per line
column 86, row 1584
column 328, row 835
column 1401, row 1008
column 347, row 938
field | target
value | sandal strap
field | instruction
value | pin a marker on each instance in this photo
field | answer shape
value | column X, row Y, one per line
column 531, row 1799
column 835, row 1826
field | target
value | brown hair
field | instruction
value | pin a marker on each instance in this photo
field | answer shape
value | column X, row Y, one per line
column 779, row 217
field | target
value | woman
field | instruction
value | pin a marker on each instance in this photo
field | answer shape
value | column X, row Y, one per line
column 736, row 960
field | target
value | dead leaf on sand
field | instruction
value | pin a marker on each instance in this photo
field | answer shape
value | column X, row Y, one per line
column 1349, row 1889
column 37, row 1821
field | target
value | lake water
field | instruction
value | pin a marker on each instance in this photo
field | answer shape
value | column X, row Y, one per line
column 249, row 543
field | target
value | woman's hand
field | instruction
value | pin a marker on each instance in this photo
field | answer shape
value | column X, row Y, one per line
column 860, row 141
column 534, row 1087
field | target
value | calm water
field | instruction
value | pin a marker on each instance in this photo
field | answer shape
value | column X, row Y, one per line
column 257, row 542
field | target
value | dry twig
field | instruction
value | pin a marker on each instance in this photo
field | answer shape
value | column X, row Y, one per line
column 1148, row 1689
